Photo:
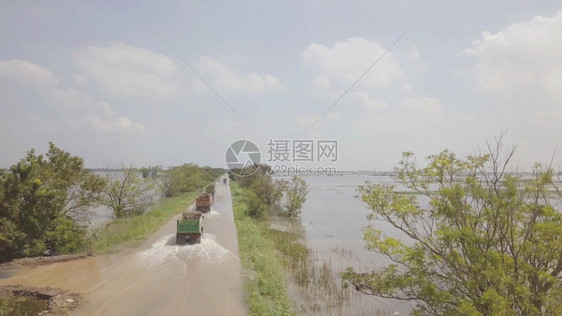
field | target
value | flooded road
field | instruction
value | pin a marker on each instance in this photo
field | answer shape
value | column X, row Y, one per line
column 160, row 277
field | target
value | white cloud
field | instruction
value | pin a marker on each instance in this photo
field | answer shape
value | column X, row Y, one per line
column 411, row 117
column 523, row 57
column 306, row 121
column 552, row 81
column 26, row 73
column 77, row 107
column 229, row 79
column 364, row 100
column 227, row 130
column 80, row 79
column 414, row 54
column 123, row 70
column 348, row 60
column 321, row 84
column 548, row 119
column 111, row 125
column 68, row 99
column 426, row 104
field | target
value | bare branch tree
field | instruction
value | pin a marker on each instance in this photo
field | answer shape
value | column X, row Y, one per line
column 126, row 192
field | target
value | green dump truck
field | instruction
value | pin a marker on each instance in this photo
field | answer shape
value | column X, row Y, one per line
column 189, row 228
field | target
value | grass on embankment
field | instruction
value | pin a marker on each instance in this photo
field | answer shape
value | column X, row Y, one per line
column 259, row 254
column 131, row 231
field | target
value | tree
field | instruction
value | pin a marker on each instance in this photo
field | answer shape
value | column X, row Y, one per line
column 127, row 193
column 257, row 208
column 37, row 196
column 274, row 193
column 487, row 243
column 150, row 172
column 185, row 178
column 295, row 196
column 190, row 177
column 77, row 189
column 264, row 189
column 170, row 182
column 269, row 191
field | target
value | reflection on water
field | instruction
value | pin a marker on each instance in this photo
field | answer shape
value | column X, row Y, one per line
column 100, row 215
column 332, row 223
column 4, row 274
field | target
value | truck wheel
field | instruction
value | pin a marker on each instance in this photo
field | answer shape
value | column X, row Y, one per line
column 180, row 239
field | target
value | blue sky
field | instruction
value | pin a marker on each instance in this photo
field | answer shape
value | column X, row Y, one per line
column 95, row 79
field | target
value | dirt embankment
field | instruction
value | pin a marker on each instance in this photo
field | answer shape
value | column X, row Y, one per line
column 59, row 301
column 37, row 261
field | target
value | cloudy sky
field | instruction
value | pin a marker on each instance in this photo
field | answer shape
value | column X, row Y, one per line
column 151, row 83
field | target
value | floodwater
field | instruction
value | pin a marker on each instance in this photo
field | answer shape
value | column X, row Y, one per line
column 160, row 277
column 100, row 215
column 332, row 223
column 4, row 274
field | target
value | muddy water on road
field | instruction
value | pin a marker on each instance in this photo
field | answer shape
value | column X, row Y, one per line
column 160, row 277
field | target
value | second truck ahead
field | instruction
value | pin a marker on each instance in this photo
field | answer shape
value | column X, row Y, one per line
column 203, row 203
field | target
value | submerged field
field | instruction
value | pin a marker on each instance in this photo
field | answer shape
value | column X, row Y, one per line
column 287, row 276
